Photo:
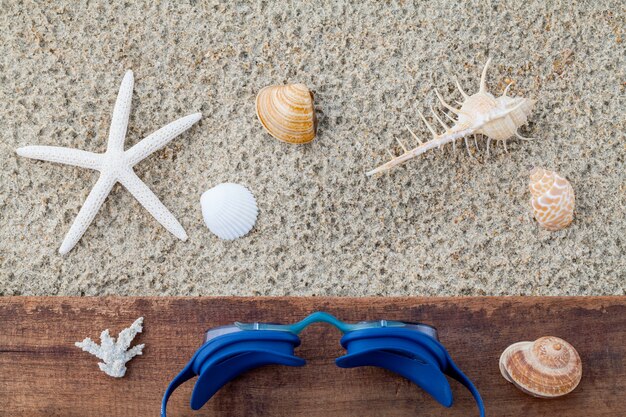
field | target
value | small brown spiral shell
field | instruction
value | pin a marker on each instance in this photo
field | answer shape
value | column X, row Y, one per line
column 547, row 368
column 552, row 199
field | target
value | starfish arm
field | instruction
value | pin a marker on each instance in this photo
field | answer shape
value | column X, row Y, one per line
column 121, row 112
column 150, row 202
column 67, row 156
column 87, row 212
column 160, row 138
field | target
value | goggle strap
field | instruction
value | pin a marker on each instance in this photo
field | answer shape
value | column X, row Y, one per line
column 185, row 375
column 453, row 371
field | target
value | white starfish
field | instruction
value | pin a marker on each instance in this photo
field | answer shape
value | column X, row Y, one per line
column 116, row 165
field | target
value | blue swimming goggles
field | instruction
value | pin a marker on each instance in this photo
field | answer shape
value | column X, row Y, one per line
column 408, row 349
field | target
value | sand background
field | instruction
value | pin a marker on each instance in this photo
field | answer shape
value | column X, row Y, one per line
column 443, row 224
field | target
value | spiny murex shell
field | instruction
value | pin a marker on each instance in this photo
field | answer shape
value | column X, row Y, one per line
column 552, row 199
column 229, row 210
column 287, row 112
column 547, row 368
column 480, row 114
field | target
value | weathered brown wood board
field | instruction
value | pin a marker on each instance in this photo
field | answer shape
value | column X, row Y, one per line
column 42, row 373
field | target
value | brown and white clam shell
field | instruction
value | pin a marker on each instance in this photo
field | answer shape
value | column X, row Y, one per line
column 549, row 367
column 287, row 112
column 552, row 199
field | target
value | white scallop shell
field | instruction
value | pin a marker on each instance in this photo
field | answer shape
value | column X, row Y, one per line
column 229, row 210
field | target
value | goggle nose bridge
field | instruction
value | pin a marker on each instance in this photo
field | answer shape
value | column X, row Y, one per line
column 323, row 317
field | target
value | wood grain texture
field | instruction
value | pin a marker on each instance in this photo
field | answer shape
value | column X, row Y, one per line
column 42, row 373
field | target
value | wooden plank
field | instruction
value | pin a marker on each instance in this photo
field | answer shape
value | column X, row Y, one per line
column 43, row 374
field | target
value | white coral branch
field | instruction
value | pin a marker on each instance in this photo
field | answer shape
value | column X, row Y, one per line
column 115, row 354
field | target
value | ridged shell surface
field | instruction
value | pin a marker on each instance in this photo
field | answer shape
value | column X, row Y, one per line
column 287, row 112
column 547, row 368
column 552, row 199
column 479, row 105
column 519, row 116
column 229, row 210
